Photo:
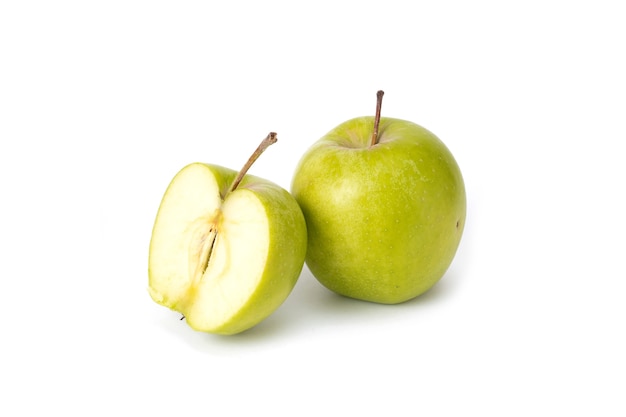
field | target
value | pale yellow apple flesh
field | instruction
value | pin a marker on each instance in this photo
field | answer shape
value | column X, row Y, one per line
column 225, row 264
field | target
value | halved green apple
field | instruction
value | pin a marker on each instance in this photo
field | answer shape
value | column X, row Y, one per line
column 226, row 248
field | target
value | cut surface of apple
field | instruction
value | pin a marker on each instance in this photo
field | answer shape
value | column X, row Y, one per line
column 225, row 259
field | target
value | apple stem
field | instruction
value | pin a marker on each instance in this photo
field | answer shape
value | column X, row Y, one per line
column 270, row 139
column 379, row 103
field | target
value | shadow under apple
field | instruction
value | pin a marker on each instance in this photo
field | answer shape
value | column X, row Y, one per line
column 312, row 308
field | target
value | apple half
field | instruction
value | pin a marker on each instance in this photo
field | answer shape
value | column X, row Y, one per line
column 225, row 258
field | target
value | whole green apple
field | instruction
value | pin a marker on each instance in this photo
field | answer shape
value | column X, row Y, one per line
column 226, row 248
column 384, row 204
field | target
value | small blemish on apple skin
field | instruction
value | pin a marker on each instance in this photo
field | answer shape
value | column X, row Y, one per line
column 458, row 222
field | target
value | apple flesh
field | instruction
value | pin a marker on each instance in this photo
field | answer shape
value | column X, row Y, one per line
column 225, row 259
column 384, row 220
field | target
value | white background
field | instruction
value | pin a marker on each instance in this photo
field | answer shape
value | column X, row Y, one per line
column 101, row 103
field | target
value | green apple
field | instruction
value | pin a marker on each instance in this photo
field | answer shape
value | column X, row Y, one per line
column 226, row 248
column 384, row 203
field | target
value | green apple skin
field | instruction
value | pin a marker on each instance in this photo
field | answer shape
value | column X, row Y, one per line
column 384, row 222
column 257, row 258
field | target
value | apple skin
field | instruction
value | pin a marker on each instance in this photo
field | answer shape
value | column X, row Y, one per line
column 384, row 222
column 282, row 254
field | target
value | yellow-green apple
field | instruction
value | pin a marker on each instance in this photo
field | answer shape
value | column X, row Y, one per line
column 227, row 248
column 384, row 203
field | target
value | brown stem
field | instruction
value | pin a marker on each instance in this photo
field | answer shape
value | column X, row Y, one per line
column 379, row 103
column 269, row 140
